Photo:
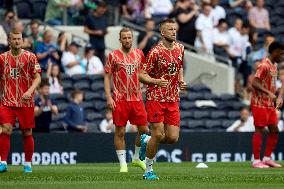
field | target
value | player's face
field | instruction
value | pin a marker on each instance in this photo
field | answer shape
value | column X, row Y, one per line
column 169, row 31
column 126, row 39
column 16, row 41
column 278, row 55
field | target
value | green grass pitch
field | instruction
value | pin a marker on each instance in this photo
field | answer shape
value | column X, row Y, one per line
column 172, row 176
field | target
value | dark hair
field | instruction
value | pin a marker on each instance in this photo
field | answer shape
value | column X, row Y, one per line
column 149, row 20
column 59, row 74
column 269, row 34
column 35, row 21
column 245, row 25
column 101, row 4
column 166, row 21
column 44, row 83
column 222, row 21
column 275, row 46
column 9, row 11
column 75, row 93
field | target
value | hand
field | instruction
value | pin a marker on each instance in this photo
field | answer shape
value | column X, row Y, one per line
column 110, row 103
column 272, row 96
column 162, row 82
column 182, row 85
column 27, row 96
column 99, row 32
column 279, row 102
column 149, row 34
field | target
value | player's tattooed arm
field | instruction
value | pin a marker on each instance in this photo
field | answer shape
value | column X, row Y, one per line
column 28, row 94
column 110, row 101
column 146, row 79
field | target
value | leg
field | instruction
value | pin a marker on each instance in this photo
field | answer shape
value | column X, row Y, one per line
column 5, row 144
column 157, row 136
column 141, row 130
column 172, row 134
column 28, row 146
column 119, row 144
column 257, row 142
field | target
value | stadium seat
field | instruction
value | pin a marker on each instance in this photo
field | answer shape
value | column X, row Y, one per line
column 82, row 85
column 218, row 114
column 24, row 9
column 201, row 114
column 96, row 78
column 62, row 106
column 97, row 86
column 225, row 106
column 213, row 124
column 196, row 124
column 234, row 115
column 192, row 96
column 238, row 105
column 67, row 84
column 90, row 96
column 80, row 77
column 91, row 116
column 93, row 127
column 86, row 105
column 39, row 8
column 58, row 117
column 186, row 105
column 211, row 96
column 184, row 125
column 200, row 88
column 227, row 123
column 186, row 114
column 227, row 97
column 100, row 106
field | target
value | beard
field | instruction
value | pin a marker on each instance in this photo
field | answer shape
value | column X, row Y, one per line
column 169, row 39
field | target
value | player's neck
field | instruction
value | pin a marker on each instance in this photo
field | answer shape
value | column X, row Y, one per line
column 168, row 44
column 270, row 59
column 16, row 52
column 126, row 51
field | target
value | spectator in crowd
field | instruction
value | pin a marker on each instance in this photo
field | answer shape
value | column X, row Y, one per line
column 44, row 108
column 55, row 11
column 236, row 4
column 96, row 26
column 54, row 78
column 280, row 121
column 36, row 36
column 221, row 38
column 204, row 26
column 106, row 125
column 46, row 51
column 133, row 9
column 3, row 40
column 91, row 63
column 218, row 12
column 9, row 20
column 71, row 60
column 259, row 16
column 19, row 26
column 147, row 39
column 186, row 15
column 244, row 124
column 62, row 45
column 158, row 9
column 74, row 118
column 235, row 48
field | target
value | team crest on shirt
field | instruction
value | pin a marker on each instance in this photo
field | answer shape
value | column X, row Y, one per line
column 130, row 69
column 14, row 73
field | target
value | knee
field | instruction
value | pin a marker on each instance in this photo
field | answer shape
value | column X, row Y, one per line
column 143, row 130
column 27, row 132
column 119, row 134
column 6, row 129
column 172, row 139
column 158, row 136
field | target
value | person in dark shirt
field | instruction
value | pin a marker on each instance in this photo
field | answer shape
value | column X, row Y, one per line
column 74, row 117
column 96, row 26
column 186, row 16
column 44, row 108
column 148, row 39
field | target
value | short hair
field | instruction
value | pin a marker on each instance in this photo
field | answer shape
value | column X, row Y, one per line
column 44, row 83
column 149, row 20
column 166, row 21
column 269, row 34
column 14, row 32
column 222, row 21
column 101, row 4
column 275, row 46
column 75, row 93
column 245, row 25
column 126, row 29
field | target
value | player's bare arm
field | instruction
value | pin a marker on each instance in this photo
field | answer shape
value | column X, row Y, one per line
column 182, row 83
column 146, row 79
column 257, row 85
column 110, row 101
column 28, row 94
column 279, row 100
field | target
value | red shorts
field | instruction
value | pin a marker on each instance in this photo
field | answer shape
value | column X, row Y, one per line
column 166, row 112
column 134, row 111
column 25, row 116
column 264, row 116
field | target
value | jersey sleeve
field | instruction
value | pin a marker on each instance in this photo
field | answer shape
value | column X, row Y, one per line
column 151, row 59
column 109, row 64
column 261, row 71
column 35, row 67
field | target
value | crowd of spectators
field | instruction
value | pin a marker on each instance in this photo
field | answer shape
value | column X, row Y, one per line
column 230, row 29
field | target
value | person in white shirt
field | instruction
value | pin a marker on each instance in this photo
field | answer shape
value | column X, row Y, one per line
column 204, row 26
column 236, row 48
column 218, row 12
column 244, row 124
column 106, row 125
column 54, row 78
column 221, row 38
column 71, row 60
column 91, row 63
column 158, row 7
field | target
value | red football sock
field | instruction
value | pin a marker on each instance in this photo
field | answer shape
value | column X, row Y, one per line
column 29, row 147
column 4, row 146
column 272, row 140
column 256, row 142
